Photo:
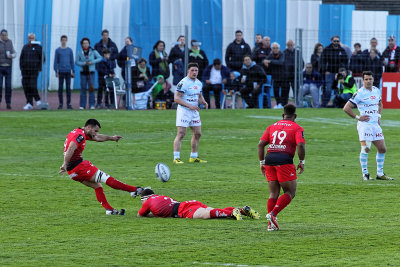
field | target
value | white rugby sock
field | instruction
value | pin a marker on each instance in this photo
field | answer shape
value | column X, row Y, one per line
column 364, row 162
column 380, row 160
column 177, row 155
column 194, row 155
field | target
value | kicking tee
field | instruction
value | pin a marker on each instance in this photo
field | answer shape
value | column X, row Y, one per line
column 79, row 137
column 367, row 102
column 282, row 137
column 191, row 91
column 160, row 206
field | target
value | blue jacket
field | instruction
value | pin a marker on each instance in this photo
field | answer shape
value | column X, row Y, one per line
column 314, row 78
column 93, row 56
column 225, row 73
column 105, row 67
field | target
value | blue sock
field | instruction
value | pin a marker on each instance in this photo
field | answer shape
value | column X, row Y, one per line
column 380, row 159
column 364, row 162
column 194, row 155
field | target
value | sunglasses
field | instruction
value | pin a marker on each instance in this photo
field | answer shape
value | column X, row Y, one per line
column 336, row 41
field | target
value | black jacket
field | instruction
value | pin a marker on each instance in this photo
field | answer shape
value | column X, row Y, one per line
column 105, row 67
column 392, row 65
column 357, row 62
column 203, row 63
column 235, row 53
column 254, row 73
column 155, row 66
column 111, row 46
column 290, row 62
column 176, row 53
column 135, row 79
column 316, row 63
column 332, row 59
column 31, row 58
column 374, row 65
column 276, row 67
column 260, row 53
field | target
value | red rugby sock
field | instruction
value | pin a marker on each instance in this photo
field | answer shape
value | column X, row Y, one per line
column 221, row 213
column 114, row 183
column 102, row 198
column 282, row 202
column 271, row 204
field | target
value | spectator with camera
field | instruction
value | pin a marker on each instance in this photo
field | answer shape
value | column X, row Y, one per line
column 391, row 55
column 374, row 64
column 312, row 81
column 214, row 76
column 345, row 86
column 252, row 77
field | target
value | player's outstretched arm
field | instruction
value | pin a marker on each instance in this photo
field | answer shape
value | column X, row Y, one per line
column 67, row 156
column 301, row 152
column 102, row 138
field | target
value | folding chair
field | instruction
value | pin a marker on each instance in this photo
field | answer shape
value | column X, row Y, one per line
column 115, row 83
column 265, row 91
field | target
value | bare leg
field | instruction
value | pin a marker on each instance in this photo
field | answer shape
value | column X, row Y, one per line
column 202, row 213
column 181, row 132
column 195, row 138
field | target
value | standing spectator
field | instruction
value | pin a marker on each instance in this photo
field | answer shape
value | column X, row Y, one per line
column 357, row 61
column 258, row 43
column 124, row 54
column 165, row 95
column 391, row 55
column 86, row 59
column 252, row 77
column 275, row 66
column 141, row 78
column 312, row 81
column 236, row 51
column 316, row 57
column 30, row 63
column 7, row 53
column 214, row 76
column 105, row 42
column 106, row 69
column 347, row 49
column 373, row 45
column 64, row 68
column 333, row 57
column 196, row 55
column 290, row 54
column 374, row 64
column 263, row 51
column 177, row 58
column 158, row 59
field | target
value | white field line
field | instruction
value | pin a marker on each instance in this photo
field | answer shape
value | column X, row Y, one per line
column 339, row 121
column 226, row 264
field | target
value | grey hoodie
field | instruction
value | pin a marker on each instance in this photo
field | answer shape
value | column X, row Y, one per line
column 6, row 46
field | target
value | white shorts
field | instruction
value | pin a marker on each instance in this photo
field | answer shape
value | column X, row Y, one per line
column 187, row 117
column 369, row 131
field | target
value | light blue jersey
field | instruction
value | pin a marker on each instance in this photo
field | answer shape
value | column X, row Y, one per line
column 191, row 91
column 367, row 102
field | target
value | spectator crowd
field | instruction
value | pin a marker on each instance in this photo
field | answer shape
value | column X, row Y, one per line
column 328, row 75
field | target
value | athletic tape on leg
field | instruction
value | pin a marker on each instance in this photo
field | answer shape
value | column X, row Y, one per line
column 101, row 177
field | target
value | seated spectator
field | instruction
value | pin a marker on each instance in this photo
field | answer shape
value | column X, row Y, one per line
column 177, row 58
column 312, row 81
column 274, row 65
column 252, row 77
column 158, row 87
column 124, row 54
column 357, row 61
column 158, row 59
column 374, row 64
column 141, row 78
column 165, row 95
column 196, row 55
column 344, row 86
column 105, row 69
column 316, row 57
column 263, row 51
column 214, row 76
column 233, row 83
column 391, row 55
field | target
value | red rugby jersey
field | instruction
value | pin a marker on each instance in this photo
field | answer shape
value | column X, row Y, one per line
column 79, row 137
column 160, row 206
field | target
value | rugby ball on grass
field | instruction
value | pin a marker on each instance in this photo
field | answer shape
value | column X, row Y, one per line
column 163, row 173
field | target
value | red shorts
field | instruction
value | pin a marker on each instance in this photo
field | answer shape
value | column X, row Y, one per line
column 83, row 172
column 281, row 173
column 188, row 208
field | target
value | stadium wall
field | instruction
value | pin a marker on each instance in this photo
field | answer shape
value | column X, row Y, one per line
column 212, row 22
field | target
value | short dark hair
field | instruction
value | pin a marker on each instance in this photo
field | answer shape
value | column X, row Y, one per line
column 367, row 73
column 289, row 110
column 335, row 36
column 238, row 31
column 247, row 55
column 357, row 44
column 3, row 30
column 92, row 122
column 85, row 39
column 193, row 64
column 105, row 31
column 217, row 61
column 180, row 36
column 142, row 60
column 130, row 38
column 63, row 36
column 146, row 192
column 258, row 34
column 106, row 51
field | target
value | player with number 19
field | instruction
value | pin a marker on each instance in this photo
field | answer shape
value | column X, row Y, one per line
column 283, row 137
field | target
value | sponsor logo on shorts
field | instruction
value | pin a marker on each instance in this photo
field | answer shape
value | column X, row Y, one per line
column 368, row 135
column 184, row 121
column 379, row 135
column 196, row 121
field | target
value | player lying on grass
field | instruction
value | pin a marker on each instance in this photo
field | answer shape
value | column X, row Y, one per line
column 84, row 171
column 163, row 206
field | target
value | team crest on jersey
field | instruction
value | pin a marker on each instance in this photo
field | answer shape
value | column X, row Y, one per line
column 195, row 87
column 79, row 139
column 373, row 97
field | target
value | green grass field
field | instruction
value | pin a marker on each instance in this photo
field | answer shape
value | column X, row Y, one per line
column 336, row 219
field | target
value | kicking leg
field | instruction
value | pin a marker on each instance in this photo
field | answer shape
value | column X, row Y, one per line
column 102, row 177
column 98, row 189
